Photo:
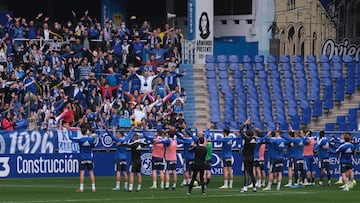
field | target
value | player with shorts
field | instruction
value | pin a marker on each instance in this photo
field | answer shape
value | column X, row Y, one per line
column 170, row 144
column 157, row 157
column 135, row 166
column 86, row 144
column 121, row 158
column 346, row 152
column 226, row 155
column 277, row 146
column 322, row 148
column 309, row 159
column 259, row 159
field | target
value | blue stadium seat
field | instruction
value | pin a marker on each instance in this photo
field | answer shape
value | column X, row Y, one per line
column 210, row 74
column 312, row 67
column 250, row 74
column 273, row 67
column 328, row 103
column 238, row 74
column 248, row 67
column 286, row 67
column 259, row 66
column 352, row 114
column 295, row 122
column 270, row 126
column 221, row 58
column 284, row 126
column 340, row 90
column 259, row 59
column 223, row 75
column 350, row 83
column 221, row 125
column 310, row 59
column 300, row 73
column 329, row 127
column 284, row 58
column 271, row 59
column 298, row 59
column 234, row 66
column 234, row 125
column 324, row 59
column 222, row 67
column 306, row 116
column 262, row 75
column 210, row 67
column 210, row 59
column 317, row 108
column 233, row 58
column 246, row 59
column 288, row 74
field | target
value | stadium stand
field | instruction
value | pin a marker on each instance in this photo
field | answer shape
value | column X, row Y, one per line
column 290, row 91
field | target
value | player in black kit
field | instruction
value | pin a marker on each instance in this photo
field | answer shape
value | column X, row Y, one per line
column 199, row 165
column 248, row 155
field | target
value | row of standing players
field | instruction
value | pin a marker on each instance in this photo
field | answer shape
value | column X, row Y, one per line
column 198, row 153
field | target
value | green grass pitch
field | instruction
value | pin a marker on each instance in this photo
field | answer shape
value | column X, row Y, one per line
column 48, row 190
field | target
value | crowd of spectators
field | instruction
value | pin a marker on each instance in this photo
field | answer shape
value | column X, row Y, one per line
column 82, row 73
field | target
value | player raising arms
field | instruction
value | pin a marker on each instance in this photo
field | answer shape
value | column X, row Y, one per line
column 276, row 150
column 248, row 155
column 86, row 144
column 157, row 158
column 187, row 140
column 170, row 144
column 298, row 142
column 226, row 155
column 120, row 157
column 199, row 165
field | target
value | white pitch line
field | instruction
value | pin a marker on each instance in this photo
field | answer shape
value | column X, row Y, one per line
column 249, row 194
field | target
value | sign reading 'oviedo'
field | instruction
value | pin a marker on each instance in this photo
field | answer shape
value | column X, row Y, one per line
column 331, row 48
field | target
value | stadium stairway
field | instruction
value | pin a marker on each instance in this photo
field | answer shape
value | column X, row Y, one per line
column 194, row 84
column 340, row 109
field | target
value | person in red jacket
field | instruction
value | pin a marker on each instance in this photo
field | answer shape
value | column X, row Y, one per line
column 107, row 91
column 7, row 123
column 67, row 116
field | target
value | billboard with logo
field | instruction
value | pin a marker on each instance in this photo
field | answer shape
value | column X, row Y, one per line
column 52, row 153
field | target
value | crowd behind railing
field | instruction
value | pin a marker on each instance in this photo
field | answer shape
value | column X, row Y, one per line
column 83, row 73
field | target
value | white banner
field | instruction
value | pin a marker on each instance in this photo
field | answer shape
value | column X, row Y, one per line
column 204, row 25
column 65, row 144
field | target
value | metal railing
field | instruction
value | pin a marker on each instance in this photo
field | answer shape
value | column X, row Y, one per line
column 187, row 52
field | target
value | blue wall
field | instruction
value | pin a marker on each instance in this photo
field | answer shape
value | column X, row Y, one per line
column 235, row 46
